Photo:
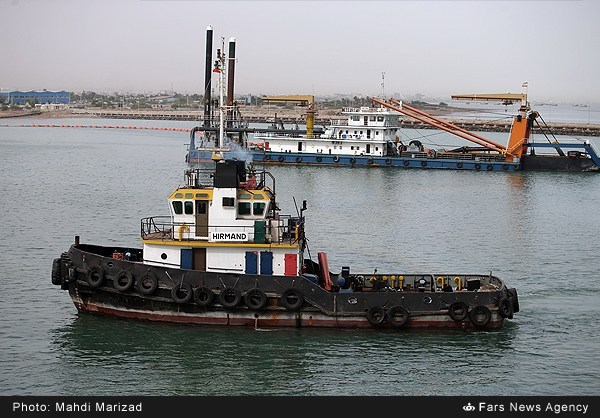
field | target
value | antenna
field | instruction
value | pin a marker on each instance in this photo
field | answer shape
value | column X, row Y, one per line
column 382, row 85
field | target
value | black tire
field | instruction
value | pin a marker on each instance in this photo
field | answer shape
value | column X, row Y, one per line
column 267, row 157
column 423, row 163
column 376, row 315
column 292, row 299
column 336, row 159
column 255, row 299
column 298, row 159
column 459, row 165
column 512, row 295
column 123, row 281
column 181, row 293
column 95, row 276
column 406, row 163
column 388, row 161
column 147, row 284
column 230, row 297
column 352, row 160
column 281, row 158
column 504, row 167
column 480, row 315
column 397, row 316
column 370, row 160
column 458, row 311
column 505, row 308
column 56, row 273
column 319, row 158
column 203, row 296
column 477, row 166
column 490, row 167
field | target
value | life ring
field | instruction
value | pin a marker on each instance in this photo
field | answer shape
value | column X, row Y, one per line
column 376, row 315
column 95, row 276
column 505, row 308
column 490, row 167
column 203, row 296
column 406, row 163
column 459, row 165
column 267, row 157
column 480, row 315
column 319, row 158
column 477, row 166
column 147, row 284
column 512, row 295
column 292, row 299
column 281, row 158
column 298, row 159
column 397, row 316
column 423, row 163
column 458, row 311
column 370, row 160
column 336, row 159
column 388, row 161
column 230, row 297
column 352, row 160
column 182, row 230
column 123, row 281
column 181, row 293
column 504, row 167
column 255, row 299
column 56, row 274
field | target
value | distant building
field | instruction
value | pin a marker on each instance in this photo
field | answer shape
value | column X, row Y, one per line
column 42, row 97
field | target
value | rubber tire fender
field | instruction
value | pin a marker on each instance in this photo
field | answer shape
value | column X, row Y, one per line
column 56, row 272
column 203, row 296
column 376, row 315
column 255, row 299
column 292, row 299
column 147, row 284
column 475, row 313
column 458, row 311
column 230, row 297
column 505, row 308
column 512, row 295
column 128, row 281
column 395, row 320
column 95, row 276
column 181, row 293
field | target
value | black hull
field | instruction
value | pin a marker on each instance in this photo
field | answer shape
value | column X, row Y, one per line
column 557, row 163
column 100, row 284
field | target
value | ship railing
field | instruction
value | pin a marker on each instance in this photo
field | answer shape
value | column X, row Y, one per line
column 283, row 230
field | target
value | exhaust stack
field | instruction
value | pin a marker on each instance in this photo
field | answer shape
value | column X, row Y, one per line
column 207, row 77
column 230, row 75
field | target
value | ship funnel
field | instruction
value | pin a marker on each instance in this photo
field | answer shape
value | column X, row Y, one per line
column 207, row 76
column 230, row 75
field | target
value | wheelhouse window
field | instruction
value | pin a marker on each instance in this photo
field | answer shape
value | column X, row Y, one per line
column 258, row 208
column 244, row 208
column 189, row 207
column 177, row 207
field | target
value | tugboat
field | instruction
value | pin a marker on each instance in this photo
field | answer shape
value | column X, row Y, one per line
column 226, row 256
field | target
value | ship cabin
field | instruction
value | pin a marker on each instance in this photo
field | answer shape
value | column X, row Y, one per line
column 370, row 131
column 225, row 220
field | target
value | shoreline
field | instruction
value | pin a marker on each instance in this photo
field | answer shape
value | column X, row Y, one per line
column 268, row 114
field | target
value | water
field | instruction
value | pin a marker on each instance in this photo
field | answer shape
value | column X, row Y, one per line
column 538, row 231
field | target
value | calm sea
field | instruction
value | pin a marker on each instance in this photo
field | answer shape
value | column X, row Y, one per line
column 538, row 231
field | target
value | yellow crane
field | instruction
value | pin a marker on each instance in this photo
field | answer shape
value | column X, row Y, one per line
column 303, row 100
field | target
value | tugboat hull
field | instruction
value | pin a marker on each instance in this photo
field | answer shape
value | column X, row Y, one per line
column 125, row 287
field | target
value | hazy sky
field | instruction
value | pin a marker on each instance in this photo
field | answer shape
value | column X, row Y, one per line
column 436, row 48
